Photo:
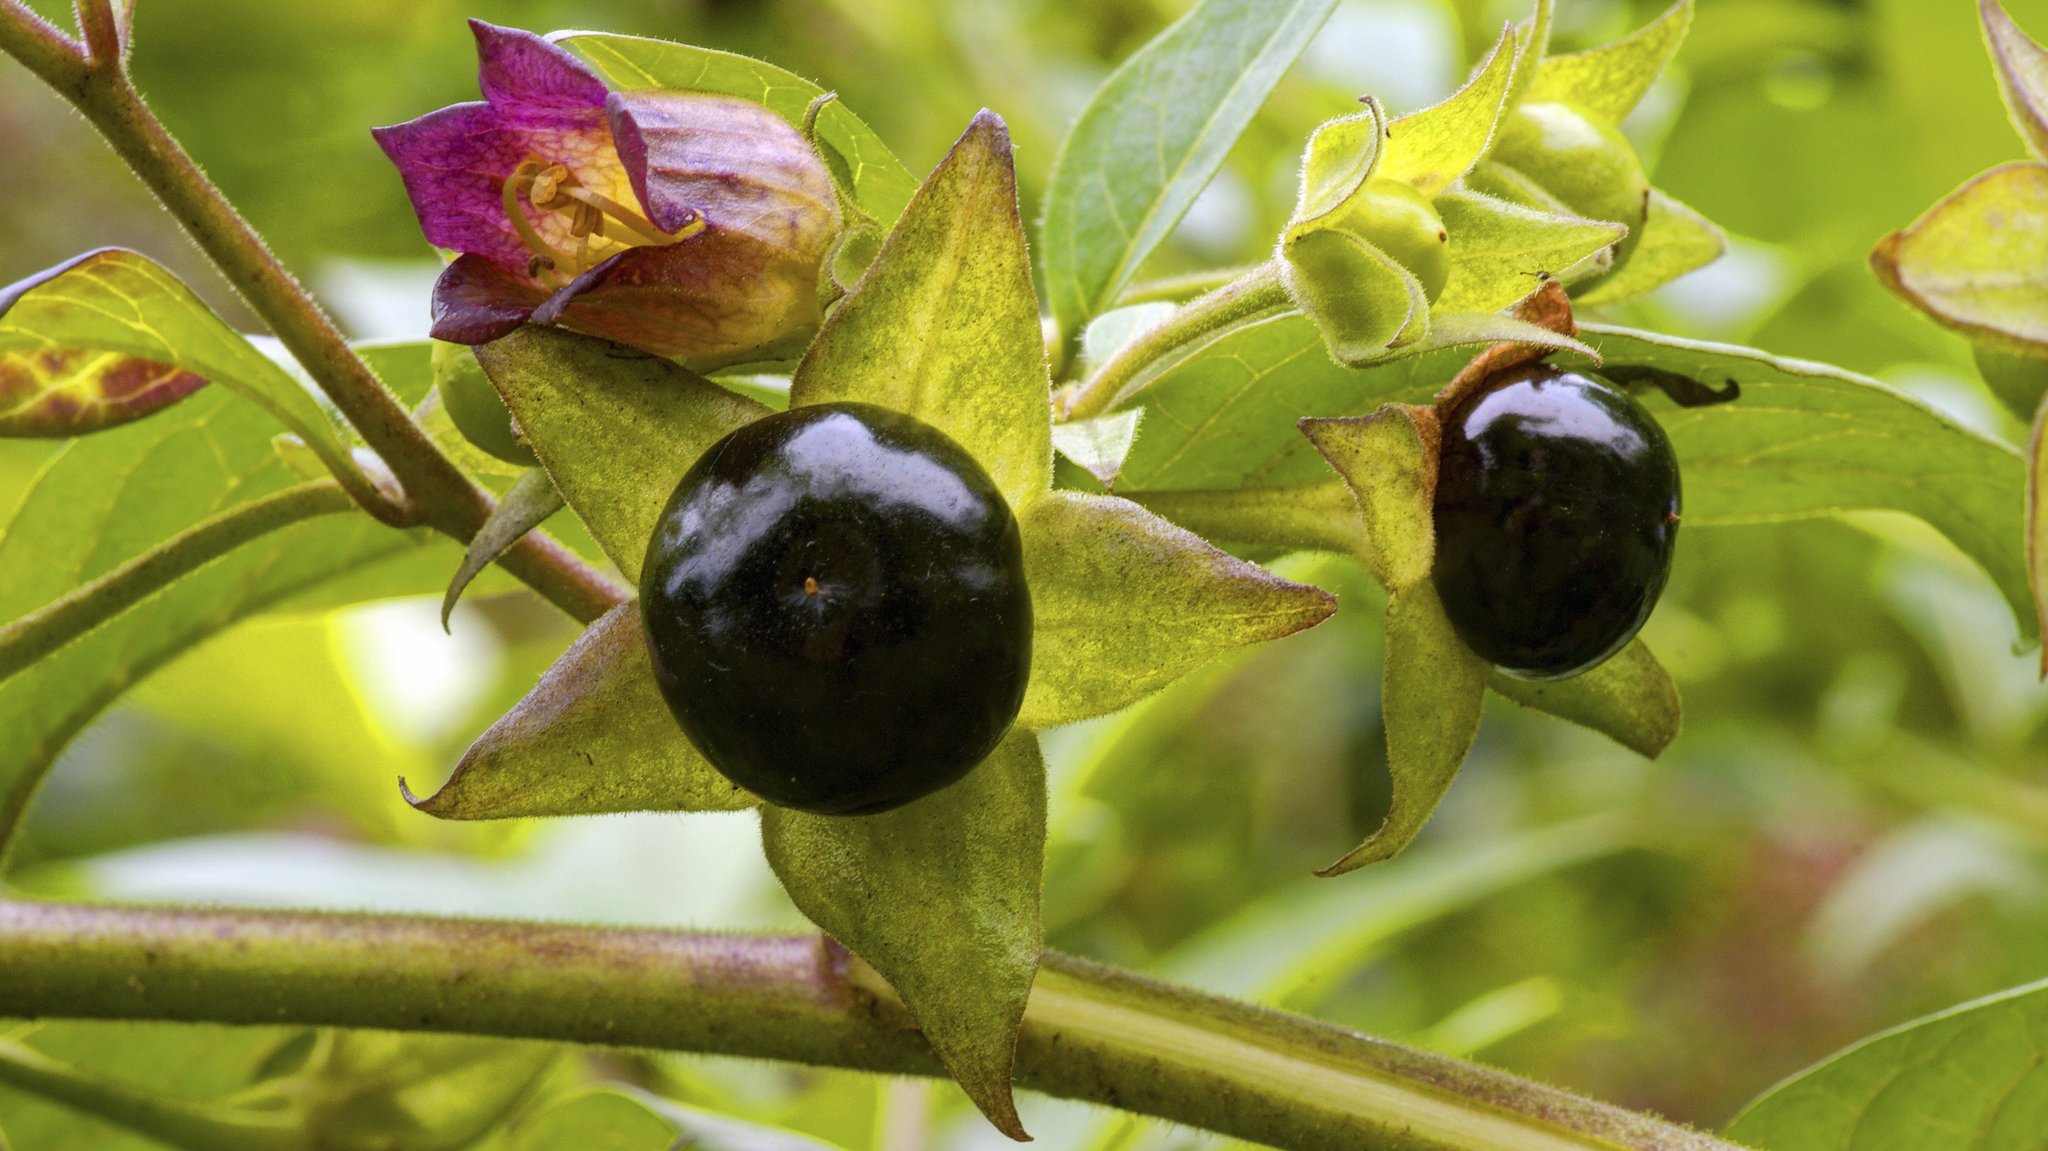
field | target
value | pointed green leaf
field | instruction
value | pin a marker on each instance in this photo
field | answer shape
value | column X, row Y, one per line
column 1321, row 516
column 1431, row 701
column 1124, row 603
column 1808, row 439
column 1532, row 41
column 944, row 326
column 1501, row 251
column 61, row 392
column 881, row 185
column 1967, row 1079
column 1341, row 154
column 531, row 501
column 1978, row 260
column 593, row 736
column 615, row 428
column 1389, row 461
column 1363, row 302
column 1630, row 699
column 1152, row 137
column 1099, row 445
column 2022, row 74
column 623, row 1119
column 1609, row 81
column 108, row 498
column 2019, row 381
column 118, row 303
column 1491, row 178
column 1429, row 150
column 1675, row 240
column 942, row 898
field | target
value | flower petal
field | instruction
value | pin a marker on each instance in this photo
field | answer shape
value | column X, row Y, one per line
column 476, row 301
column 517, row 68
column 713, row 296
column 732, row 161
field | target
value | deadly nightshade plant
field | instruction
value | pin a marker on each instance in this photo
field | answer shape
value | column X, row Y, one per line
column 939, row 897
column 690, row 224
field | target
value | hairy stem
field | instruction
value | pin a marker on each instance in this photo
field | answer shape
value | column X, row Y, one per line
column 1091, row 1032
column 103, row 40
column 85, row 607
column 440, row 495
column 1257, row 293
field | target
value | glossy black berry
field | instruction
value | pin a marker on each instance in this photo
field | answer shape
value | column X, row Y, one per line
column 1556, row 510
column 836, row 608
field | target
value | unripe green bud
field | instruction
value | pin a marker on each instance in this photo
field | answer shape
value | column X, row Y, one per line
column 1589, row 166
column 1400, row 221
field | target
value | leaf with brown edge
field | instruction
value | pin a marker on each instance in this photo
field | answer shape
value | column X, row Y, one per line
column 1630, row 699
column 942, row 898
column 594, row 736
column 615, row 428
column 61, row 392
column 2022, row 74
column 944, row 325
column 1977, row 261
column 1389, row 460
column 1125, row 603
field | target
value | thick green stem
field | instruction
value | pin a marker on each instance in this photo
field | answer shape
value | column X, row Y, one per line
column 436, row 489
column 85, row 607
column 1091, row 1032
column 1258, row 292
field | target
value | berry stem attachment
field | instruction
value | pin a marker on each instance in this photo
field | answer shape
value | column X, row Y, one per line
column 1259, row 292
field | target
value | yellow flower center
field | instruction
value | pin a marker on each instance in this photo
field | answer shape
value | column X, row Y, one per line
column 598, row 226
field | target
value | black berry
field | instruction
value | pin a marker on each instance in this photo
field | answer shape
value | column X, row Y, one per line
column 835, row 604
column 1556, row 510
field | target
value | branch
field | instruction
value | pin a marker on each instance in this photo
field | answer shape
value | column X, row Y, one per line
column 106, row 47
column 54, row 57
column 89, row 605
column 1091, row 1032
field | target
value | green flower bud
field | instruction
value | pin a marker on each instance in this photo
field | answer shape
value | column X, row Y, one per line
column 1400, row 221
column 1589, row 166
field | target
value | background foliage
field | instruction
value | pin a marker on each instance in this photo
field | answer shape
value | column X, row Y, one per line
column 1852, row 830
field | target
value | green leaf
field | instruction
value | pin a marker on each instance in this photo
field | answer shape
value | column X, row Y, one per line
column 1099, row 445
column 1430, row 699
column 63, row 392
column 942, row 898
column 1361, row 301
column 2022, row 74
column 2019, row 381
column 1978, row 260
column 1388, row 459
column 615, row 428
column 531, row 501
column 1808, row 439
column 1609, row 81
column 881, row 185
column 1340, row 155
column 1532, row 40
column 118, row 303
column 1630, row 699
column 1675, row 240
column 1967, row 1079
column 419, row 1092
column 944, row 326
column 107, row 498
column 1320, row 516
column 623, row 1119
column 1429, row 150
column 593, row 736
column 1152, row 137
column 1124, row 603
column 1501, row 251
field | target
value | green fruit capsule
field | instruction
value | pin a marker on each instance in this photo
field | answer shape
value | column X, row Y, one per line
column 1400, row 221
column 474, row 406
column 1589, row 166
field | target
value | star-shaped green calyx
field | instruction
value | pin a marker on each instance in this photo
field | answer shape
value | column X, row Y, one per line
column 941, row 898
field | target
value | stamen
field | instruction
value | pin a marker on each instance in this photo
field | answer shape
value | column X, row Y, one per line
column 546, row 258
column 600, row 225
column 631, row 220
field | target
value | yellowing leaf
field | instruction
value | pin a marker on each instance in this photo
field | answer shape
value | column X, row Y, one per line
column 944, row 326
column 1630, row 699
column 1609, row 81
column 61, row 392
column 615, row 428
column 1501, row 251
column 942, row 899
column 1125, row 602
column 1430, row 149
column 1339, row 157
column 593, row 736
column 2022, row 74
column 1389, row 460
column 1978, row 260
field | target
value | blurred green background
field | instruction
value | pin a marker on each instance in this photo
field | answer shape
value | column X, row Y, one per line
column 1853, row 829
